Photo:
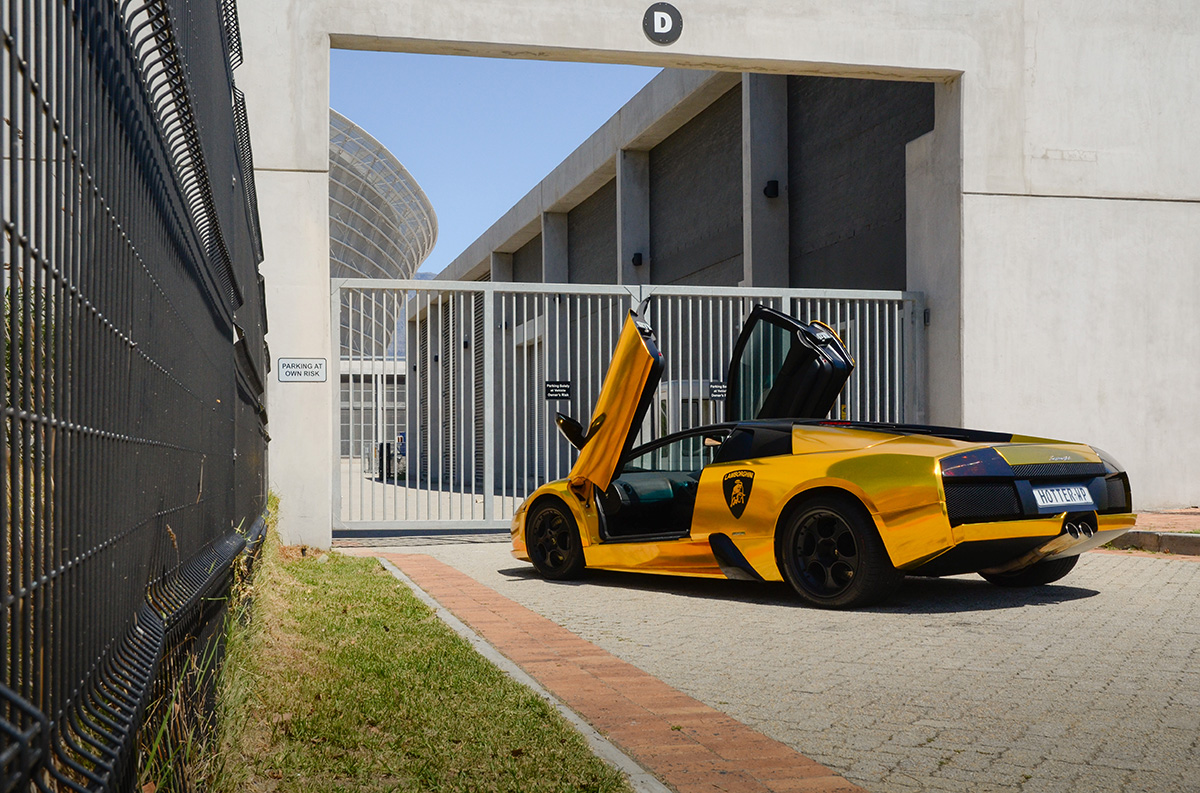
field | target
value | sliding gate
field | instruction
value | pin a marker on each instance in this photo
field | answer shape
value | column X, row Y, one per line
column 448, row 390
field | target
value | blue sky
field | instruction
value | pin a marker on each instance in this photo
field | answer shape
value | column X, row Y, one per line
column 476, row 133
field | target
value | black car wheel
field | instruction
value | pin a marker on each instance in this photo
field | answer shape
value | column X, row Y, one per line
column 1035, row 575
column 832, row 556
column 552, row 539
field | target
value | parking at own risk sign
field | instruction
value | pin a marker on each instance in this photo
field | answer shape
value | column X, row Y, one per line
column 301, row 370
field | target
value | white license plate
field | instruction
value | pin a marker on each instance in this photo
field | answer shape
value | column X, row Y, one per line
column 1063, row 496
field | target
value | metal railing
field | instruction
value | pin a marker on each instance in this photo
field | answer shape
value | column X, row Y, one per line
column 134, row 430
column 446, row 423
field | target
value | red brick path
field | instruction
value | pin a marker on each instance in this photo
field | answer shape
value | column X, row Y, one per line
column 687, row 744
column 1181, row 520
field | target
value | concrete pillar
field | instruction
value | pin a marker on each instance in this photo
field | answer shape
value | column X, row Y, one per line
column 764, row 159
column 554, row 248
column 633, row 216
column 502, row 267
column 286, row 80
column 934, row 232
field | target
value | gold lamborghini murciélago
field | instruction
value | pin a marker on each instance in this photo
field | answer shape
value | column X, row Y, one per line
column 840, row 510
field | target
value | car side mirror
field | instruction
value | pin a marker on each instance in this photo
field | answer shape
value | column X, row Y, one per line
column 572, row 430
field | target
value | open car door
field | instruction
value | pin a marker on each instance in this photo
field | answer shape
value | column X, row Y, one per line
column 784, row 368
column 632, row 378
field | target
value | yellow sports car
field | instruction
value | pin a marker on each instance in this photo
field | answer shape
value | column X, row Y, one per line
column 840, row 510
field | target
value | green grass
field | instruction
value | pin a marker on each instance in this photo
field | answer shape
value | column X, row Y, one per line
column 342, row 680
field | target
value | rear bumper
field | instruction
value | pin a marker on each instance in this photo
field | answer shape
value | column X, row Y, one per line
column 1006, row 546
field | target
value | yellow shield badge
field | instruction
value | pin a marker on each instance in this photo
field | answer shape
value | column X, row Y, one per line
column 737, row 486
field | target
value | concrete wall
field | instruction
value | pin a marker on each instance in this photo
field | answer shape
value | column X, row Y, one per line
column 1080, row 316
column 527, row 262
column 847, row 172
column 1077, row 143
column 696, row 199
column 592, row 238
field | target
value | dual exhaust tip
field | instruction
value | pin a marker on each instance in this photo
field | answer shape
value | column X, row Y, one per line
column 1078, row 529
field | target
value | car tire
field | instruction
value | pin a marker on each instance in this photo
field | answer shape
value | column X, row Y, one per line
column 1038, row 574
column 831, row 554
column 553, row 542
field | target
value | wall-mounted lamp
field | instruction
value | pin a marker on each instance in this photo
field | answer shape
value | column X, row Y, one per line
column 466, row 344
column 772, row 189
column 637, row 259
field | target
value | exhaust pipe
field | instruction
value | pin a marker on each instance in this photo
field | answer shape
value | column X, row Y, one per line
column 1074, row 532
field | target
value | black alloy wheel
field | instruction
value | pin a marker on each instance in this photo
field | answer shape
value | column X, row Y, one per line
column 552, row 539
column 1044, row 572
column 832, row 556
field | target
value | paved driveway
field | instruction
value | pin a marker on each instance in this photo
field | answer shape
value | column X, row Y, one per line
column 1092, row 684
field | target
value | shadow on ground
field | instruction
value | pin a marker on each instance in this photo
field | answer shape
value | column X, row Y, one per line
column 915, row 596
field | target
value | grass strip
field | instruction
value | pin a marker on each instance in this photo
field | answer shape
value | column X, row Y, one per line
column 341, row 680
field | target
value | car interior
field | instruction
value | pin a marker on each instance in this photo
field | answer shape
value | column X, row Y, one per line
column 654, row 494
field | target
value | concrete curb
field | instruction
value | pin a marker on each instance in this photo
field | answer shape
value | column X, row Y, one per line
column 1159, row 542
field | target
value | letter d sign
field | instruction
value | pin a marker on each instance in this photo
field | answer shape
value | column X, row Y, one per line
column 662, row 23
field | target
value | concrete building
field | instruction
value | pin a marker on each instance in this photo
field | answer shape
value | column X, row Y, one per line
column 381, row 225
column 1051, row 214
column 724, row 179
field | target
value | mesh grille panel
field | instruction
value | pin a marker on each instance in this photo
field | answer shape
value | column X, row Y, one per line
column 1118, row 500
column 980, row 502
column 1048, row 470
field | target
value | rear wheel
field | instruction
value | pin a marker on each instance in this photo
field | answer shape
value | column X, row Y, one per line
column 1035, row 575
column 832, row 556
column 552, row 538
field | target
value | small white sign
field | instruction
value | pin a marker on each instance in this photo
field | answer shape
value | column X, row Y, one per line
column 302, row 370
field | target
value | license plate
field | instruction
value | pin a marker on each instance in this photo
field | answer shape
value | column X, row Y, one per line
column 1063, row 496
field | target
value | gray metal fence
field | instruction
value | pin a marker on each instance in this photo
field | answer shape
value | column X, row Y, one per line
column 134, row 431
column 446, row 423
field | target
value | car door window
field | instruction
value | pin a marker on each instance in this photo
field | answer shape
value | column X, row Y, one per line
column 684, row 455
column 784, row 368
column 760, row 365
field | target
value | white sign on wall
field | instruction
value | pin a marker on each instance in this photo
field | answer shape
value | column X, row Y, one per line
column 301, row 370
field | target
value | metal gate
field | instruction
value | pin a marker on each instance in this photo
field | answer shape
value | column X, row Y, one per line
column 448, row 389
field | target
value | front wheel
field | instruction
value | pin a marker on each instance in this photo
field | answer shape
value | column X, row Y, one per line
column 552, row 538
column 1036, row 574
column 831, row 554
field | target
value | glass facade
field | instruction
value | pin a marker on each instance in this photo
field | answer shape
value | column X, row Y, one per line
column 381, row 225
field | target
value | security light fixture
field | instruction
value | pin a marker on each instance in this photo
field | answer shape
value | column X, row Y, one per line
column 772, row 189
column 637, row 259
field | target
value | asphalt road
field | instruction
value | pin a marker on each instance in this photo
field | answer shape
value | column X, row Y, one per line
column 1091, row 684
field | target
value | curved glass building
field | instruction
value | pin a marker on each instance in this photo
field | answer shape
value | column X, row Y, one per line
column 381, row 225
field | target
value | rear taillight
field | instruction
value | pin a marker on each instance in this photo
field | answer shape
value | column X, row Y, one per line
column 978, row 463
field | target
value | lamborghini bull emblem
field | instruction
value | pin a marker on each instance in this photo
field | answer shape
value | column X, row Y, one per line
column 738, row 485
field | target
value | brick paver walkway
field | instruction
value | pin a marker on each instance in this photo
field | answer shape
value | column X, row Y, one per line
column 1181, row 520
column 686, row 743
